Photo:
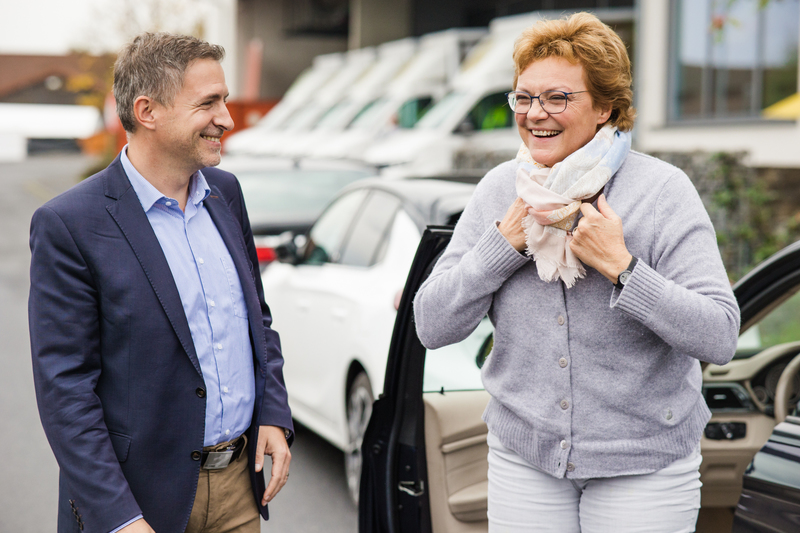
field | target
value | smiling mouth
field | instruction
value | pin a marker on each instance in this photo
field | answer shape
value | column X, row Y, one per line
column 211, row 138
column 544, row 133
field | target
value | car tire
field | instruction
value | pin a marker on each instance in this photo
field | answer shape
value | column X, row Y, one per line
column 359, row 409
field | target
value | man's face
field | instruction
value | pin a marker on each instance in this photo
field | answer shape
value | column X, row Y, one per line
column 189, row 132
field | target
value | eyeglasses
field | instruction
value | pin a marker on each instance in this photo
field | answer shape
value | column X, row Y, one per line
column 553, row 102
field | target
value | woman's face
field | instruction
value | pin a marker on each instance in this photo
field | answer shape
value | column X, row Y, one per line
column 551, row 138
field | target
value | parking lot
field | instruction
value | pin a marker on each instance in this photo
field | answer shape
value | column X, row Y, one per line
column 315, row 500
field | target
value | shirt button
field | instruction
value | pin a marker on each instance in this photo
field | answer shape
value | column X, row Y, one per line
column 200, row 260
column 562, row 362
column 561, row 320
column 564, row 445
column 227, row 431
column 570, row 467
column 224, row 389
column 219, row 346
column 167, row 204
column 211, row 303
column 564, row 404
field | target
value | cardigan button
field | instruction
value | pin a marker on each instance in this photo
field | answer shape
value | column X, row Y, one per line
column 196, row 455
column 561, row 320
column 562, row 362
column 564, row 445
column 564, row 404
column 570, row 467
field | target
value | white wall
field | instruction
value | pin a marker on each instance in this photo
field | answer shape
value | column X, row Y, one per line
column 769, row 144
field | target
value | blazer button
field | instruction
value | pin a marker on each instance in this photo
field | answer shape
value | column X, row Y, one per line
column 201, row 392
column 196, row 455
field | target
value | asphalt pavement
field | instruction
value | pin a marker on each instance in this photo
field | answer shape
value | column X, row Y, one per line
column 314, row 500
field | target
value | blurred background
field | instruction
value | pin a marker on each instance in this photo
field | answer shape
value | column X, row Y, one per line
column 325, row 92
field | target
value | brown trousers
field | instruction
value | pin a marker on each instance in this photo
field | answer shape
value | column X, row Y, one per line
column 224, row 501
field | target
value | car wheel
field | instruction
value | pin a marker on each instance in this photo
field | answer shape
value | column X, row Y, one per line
column 359, row 409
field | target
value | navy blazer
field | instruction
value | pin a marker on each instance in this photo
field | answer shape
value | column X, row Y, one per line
column 117, row 378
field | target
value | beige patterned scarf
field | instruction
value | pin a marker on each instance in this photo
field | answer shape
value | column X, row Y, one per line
column 555, row 195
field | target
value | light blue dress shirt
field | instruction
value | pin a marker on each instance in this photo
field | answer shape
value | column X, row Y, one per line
column 212, row 299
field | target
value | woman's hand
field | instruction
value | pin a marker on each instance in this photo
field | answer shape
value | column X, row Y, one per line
column 511, row 225
column 598, row 240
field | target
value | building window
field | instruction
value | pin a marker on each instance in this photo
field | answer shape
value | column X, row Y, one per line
column 732, row 58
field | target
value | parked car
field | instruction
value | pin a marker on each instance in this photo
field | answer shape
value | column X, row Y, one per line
column 472, row 126
column 770, row 499
column 334, row 298
column 283, row 196
column 425, row 452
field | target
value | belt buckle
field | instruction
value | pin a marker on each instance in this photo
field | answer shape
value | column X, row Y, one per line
column 218, row 460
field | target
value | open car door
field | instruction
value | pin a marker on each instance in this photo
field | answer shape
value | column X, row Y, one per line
column 425, row 453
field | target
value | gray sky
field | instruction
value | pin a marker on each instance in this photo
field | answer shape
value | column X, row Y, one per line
column 42, row 26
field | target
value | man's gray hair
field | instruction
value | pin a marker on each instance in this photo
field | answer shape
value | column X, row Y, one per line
column 153, row 65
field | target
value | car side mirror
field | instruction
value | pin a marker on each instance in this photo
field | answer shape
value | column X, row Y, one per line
column 291, row 249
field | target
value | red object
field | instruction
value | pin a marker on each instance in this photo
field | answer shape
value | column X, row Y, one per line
column 265, row 255
column 246, row 114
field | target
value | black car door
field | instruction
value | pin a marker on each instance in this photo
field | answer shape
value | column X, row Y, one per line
column 425, row 452
column 393, row 495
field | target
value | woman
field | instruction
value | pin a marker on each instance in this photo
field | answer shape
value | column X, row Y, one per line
column 596, row 410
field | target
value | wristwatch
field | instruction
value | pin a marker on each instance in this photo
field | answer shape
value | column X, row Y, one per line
column 622, row 279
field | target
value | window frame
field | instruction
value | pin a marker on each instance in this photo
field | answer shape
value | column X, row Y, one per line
column 707, row 117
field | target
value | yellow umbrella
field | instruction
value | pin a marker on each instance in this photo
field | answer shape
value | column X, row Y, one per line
column 786, row 109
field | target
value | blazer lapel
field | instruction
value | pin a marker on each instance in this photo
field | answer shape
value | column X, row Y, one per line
column 231, row 234
column 130, row 217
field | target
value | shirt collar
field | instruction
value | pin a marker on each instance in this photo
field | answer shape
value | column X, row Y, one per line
column 149, row 195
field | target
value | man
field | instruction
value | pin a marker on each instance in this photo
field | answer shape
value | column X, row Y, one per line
column 158, row 378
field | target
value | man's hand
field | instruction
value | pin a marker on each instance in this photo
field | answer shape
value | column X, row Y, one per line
column 598, row 240
column 511, row 225
column 272, row 442
column 140, row 526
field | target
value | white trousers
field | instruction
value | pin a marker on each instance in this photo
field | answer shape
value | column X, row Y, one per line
column 523, row 498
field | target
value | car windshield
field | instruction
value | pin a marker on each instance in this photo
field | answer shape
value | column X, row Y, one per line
column 779, row 325
column 273, row 196
column 370, row 114
column 439, row 112
column 458, row 366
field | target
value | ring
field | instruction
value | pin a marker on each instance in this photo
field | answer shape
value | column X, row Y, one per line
column 287, row 475
column 574, row 231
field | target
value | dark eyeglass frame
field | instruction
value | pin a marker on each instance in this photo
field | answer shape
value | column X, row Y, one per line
column 509, row 95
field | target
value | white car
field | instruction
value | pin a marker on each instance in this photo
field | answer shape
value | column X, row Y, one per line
column 334, row 300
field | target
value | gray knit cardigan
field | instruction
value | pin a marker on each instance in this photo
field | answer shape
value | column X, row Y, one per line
column 592, row 381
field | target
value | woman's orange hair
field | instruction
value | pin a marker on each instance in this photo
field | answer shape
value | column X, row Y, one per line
column 581, row 38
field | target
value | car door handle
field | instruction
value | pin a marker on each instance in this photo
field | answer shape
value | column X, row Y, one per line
column 339, row 313
column 412, row 488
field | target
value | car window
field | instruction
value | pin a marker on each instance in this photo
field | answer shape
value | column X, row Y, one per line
column 329, row 231
column 412, row 111
column 491, row 113
column 370, row 230
column 273, row 196
column 369, row 114
column 440, row 112
column 778, row 325
column 458, row 366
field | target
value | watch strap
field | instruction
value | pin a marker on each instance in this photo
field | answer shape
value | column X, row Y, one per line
column 620, row 284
